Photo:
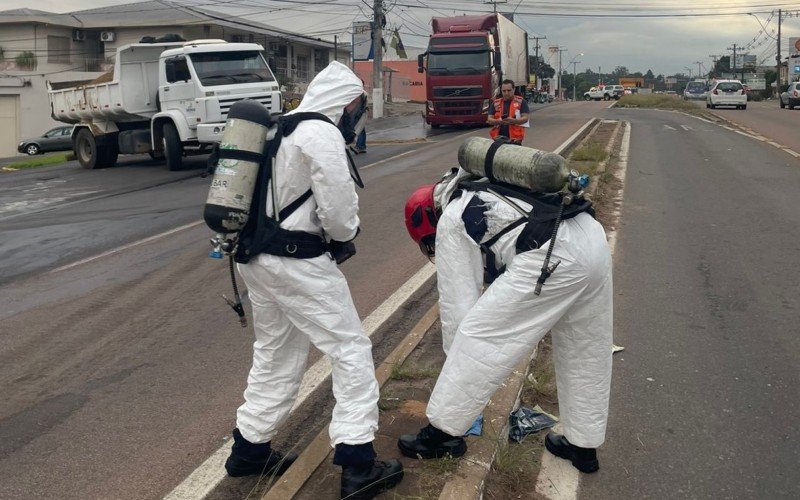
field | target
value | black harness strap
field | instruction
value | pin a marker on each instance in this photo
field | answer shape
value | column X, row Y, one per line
column 291, row 207
column 239, row 154
column 488, row 167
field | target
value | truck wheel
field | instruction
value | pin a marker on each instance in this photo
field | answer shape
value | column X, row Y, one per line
column 782, row 104
column 86, row 149
column 173, row 149
column 606, row 97
column 156, row 155
column 587, row 98
column 107, row 155
column 435, row 125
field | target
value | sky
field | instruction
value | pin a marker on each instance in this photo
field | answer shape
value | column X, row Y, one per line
column 608, row 34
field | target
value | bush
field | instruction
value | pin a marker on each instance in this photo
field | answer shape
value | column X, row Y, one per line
column 26, row 60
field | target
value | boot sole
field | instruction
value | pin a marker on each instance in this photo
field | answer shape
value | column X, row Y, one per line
column 585, row 467
column 454, row 452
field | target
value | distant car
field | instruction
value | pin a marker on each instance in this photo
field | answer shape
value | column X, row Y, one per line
column 57, row 139
column 695, row 90
column 727, row 93
column 791, row 96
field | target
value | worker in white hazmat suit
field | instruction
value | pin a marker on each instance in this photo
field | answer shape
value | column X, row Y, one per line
column 301, row 301
column 487, row 334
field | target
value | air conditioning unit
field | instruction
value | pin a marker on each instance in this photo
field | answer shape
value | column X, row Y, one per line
column 107, row 36
column 78, row 35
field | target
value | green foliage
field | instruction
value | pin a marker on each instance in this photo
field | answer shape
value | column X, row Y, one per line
column 26, row 60
column 592, row 151
column 41, row 161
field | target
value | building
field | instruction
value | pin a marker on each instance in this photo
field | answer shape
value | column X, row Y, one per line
column 37, row 47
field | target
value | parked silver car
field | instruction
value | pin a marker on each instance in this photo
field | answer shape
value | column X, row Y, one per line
column 791, row 96
column 57, row 139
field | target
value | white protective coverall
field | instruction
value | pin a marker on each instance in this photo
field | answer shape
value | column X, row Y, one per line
column 485, row 336
column 297, row 301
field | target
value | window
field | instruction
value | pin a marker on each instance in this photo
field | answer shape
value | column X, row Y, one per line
column 226, row 68
column 58, row 48
column 177, row 70
column 302, row 67
column 320, row 60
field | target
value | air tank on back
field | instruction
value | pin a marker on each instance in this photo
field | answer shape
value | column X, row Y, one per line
column 529, row 168
column 228, row 205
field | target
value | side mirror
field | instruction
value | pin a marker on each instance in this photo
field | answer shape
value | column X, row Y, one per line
column 421, row 63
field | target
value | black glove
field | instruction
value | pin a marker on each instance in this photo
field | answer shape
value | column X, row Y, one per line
column 341, row 250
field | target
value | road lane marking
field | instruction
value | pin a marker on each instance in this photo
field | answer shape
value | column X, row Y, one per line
column 668, row 127
column 558, row 479
column 210, row 473
column 128, row 246
column 686, row 127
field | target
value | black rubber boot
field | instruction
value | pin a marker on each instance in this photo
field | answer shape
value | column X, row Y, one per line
column 365, row 481
column 249, row 459
column 583, row 459
column 430, row 442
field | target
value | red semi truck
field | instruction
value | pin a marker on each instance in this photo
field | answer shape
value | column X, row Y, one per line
column 467, row 58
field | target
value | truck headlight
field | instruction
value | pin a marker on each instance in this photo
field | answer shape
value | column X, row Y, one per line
column 430, row 106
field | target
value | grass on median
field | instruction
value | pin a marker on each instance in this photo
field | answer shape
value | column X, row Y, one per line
column 659, row 101
column 40, row 161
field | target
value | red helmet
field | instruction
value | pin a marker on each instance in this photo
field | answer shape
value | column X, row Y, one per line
column 421, row 218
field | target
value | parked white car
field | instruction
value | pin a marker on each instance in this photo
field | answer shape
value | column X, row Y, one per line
column 727, row 93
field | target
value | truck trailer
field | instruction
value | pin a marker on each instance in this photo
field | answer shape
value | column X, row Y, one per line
column 466, row 59
column 167, row 99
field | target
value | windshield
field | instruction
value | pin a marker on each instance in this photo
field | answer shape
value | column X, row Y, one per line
column 696, row 86
column 226, row 68
column 462, row 63
column 729, row 86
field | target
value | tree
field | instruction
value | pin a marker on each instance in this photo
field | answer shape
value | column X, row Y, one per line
column 649, row 75
column 723, row 65
column 540, row 68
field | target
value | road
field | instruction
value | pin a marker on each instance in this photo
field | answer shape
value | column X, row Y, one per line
column 120, row 374
column 704, row 400
column 766, row 119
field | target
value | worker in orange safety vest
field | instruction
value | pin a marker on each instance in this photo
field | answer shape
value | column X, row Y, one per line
column 508, row 115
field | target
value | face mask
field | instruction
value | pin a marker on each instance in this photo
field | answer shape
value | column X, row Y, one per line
column 353, row 122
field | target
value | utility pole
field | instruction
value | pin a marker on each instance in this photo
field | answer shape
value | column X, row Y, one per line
column 559, row 73
column 778, row 59
column 377, row 61
column 733, row 63
column 494, row 3
column 574, row 78
column 536, row 39
column 335, row 47
column 714, row 67
column 699, row 68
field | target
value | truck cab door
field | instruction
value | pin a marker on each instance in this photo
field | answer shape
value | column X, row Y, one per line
column 178, row 91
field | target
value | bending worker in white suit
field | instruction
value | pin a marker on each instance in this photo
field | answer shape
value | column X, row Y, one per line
column 481, row 234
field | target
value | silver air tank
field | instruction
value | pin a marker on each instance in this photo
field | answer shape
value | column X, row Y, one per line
column 528, row 168
column 228, row 205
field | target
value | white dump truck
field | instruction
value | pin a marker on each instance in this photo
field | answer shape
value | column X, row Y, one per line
column 166, row 99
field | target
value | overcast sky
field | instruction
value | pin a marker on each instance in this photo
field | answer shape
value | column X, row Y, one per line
column 667, row 45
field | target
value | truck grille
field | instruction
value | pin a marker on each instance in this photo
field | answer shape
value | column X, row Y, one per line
column 225, row 104
column 457, row 91
column 457, row 108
